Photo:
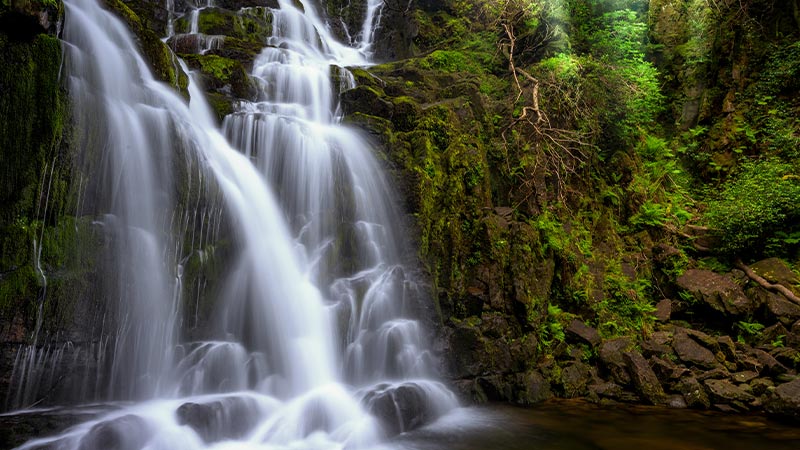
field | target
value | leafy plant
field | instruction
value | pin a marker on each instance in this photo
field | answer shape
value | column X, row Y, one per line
column 761, row 201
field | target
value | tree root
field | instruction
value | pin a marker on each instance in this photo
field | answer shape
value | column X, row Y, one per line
column 766, row 284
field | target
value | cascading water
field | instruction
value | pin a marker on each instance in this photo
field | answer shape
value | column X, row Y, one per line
column 315, row 342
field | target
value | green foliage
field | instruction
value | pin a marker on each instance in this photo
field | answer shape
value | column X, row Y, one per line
column 551, row 332
column 762, row 200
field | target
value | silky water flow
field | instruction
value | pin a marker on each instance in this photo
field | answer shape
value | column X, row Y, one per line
column 314, row 341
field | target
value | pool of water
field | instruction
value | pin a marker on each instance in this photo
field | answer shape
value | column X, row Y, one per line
column 575, row 425
column 555, row 425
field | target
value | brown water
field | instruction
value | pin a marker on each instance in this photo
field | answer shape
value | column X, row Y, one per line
column 574, row 425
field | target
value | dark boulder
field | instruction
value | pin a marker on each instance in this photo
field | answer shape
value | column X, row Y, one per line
column 532, row 388
column 407, row 406
column 723, row 391
column 123, row 433
column 717, row 291
column 694, row 393
column 689, row 351
column 644, row 379
column 583, row 332
column 227, row 418
column 611, row 356
column 575, row 378
column 367, row 100
column 784, row 401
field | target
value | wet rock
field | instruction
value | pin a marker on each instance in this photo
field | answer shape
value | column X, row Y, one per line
column 496, row 388
column 677, row 402
column 401, row 408
column 584, row 332
column 235, row 5
column 784, row 401
column 227, row 418
column 123, row 433
column 717, row 291
column 25, row 19
column 694, row 393
column 771, row 334
column 467, row 351
column 689, row 351
column 367, row 100
column 532, row 388
column 575, row 378
column 644, row 379
column 611, row 356
column 723, row 391
column 606, row 390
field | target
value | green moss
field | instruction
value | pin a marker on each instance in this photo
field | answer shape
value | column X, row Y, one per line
column 161, row 60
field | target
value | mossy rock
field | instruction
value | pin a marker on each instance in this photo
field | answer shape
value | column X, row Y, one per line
column 162, row 61
column 33, row 108
column 222, row 105
column 250, row 24
column 24, row 19
column 222, row 75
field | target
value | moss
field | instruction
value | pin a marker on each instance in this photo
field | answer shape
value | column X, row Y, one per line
column 220, row 104
column 253, row 25
column 219, row 72
column 161, row 60
column 34, row 111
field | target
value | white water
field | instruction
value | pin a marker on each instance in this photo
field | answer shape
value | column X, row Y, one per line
column 315, row 329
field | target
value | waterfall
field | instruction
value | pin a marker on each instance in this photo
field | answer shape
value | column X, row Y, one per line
column 315, row 340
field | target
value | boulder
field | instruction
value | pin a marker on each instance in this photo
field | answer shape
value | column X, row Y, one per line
column 768, row 362
column 575, row 378
column 367, row 100
column 784, row 401
column 689, row 351
column 776, row 271
column 760, row 386
column 532, row 388
column 723, row 391
column 666, row 369
column 467, row 351
column 658, row 344
column 717, row 291
column 406, row 406
column 583, row 332
column 784, row 310
column 663, row 310
column 644, row 379
column 128, row 432
column 611, row 356
column 227, row 418
column 694, row 393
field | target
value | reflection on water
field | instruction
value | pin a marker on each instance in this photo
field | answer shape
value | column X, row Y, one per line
column 557, row 425
column 574, row 425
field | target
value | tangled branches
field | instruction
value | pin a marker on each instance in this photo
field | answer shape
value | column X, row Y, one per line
column 558, row 150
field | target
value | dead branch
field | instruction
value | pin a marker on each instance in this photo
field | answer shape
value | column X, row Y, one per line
column 766, row 284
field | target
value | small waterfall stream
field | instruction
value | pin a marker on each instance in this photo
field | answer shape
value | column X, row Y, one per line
column 315, row 342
